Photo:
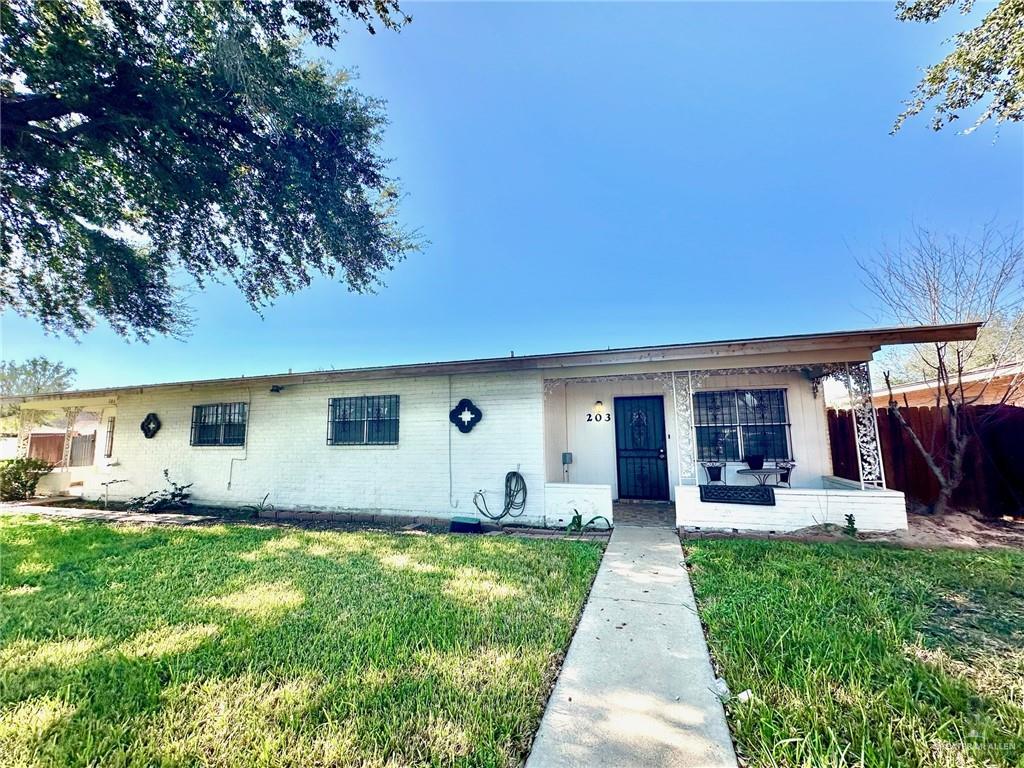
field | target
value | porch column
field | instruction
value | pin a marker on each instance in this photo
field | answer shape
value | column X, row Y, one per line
column 71, row 416
column 865, row 426
column 682, row 395
column 27, row 420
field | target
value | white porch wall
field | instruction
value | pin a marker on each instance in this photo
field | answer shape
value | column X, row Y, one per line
column 796, row 508
column 286, row 452
column 593, row 443
column 563, row 500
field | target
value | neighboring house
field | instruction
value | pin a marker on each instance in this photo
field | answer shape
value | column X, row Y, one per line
column 582, row 428
column 985, row 386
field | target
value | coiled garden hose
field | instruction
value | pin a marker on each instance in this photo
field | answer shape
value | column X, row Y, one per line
column 515, row 498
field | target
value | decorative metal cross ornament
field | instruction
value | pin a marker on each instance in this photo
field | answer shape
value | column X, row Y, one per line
column 465, row 415
column 150, row 425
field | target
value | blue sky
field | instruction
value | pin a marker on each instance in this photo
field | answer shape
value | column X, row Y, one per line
column 610, row 174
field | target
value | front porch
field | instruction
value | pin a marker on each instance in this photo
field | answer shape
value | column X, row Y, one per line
column 873, row 509
column 81, row 451
column 619, row 442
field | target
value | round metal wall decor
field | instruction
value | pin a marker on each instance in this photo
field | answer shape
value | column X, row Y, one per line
column 465, row 415
column 150, row 425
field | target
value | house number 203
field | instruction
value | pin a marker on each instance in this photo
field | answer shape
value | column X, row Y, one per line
column 599, row 417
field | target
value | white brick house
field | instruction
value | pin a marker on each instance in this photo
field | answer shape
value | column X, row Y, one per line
column 583, row 429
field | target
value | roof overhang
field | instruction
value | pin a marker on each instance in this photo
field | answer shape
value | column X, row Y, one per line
column 811, row 348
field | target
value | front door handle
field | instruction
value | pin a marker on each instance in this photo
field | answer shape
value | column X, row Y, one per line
column 661, row 454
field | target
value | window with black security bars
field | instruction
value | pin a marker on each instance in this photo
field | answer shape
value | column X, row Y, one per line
column 736, row 423
column 219, row 424
column 364, row 420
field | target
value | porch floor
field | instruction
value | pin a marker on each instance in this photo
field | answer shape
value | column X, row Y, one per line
column 646, row 514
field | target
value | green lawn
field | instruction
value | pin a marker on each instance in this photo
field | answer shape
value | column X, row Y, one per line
column 867, row 655
column 243, row 646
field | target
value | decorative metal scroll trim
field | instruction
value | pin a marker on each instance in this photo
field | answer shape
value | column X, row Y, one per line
column 666, row 377
column 865, row 426
column 835, row 371
column 70, row 416
column 551, row 385
column 26, row 424
column 684, row 425
column 820, row 371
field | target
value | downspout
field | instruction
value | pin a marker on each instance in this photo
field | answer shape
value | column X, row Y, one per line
column 565, row 413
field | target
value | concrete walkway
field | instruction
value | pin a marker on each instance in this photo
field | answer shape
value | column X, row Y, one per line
column 635, row 689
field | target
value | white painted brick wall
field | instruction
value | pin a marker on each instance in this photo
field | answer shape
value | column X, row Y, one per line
column 287, row 456
column 796, row 508
column 563, row 500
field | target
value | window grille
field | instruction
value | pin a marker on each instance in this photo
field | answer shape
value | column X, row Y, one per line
column 219, row 424
column 734, row 424
column 367, row 420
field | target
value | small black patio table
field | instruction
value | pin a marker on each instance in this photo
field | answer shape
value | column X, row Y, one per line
column 762, row 474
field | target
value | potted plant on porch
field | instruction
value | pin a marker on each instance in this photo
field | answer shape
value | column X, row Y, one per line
column 716, row 467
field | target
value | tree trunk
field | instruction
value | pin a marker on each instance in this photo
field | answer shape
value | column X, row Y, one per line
column 950, row 476
column 942, row 502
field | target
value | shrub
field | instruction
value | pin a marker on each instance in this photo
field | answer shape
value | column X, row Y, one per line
column 175, row 496
column 19, row 477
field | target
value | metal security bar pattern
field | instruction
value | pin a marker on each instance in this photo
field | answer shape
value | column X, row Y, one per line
column 219, row 424
column 640, row 447
column 365, row 420
column 108, row 445
column 733, row 424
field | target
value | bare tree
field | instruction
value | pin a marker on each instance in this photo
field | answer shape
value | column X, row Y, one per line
column 931, row 279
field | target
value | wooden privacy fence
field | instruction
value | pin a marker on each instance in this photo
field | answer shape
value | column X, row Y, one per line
column 993, row 467
column 50, row 448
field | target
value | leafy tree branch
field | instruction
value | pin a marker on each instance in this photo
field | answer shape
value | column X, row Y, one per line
column 987, row 62
column 151, row 142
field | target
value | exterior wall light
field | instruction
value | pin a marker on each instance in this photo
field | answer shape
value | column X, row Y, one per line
column 598, row 407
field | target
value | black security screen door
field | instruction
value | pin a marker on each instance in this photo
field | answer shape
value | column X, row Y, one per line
column 640, row 448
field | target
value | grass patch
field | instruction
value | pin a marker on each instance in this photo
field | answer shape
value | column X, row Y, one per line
column 248, row 646
column 867, row 655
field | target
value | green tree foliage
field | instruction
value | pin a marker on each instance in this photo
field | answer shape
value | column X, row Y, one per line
column 34, row 376
column 986, row 62
column 147, row 142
